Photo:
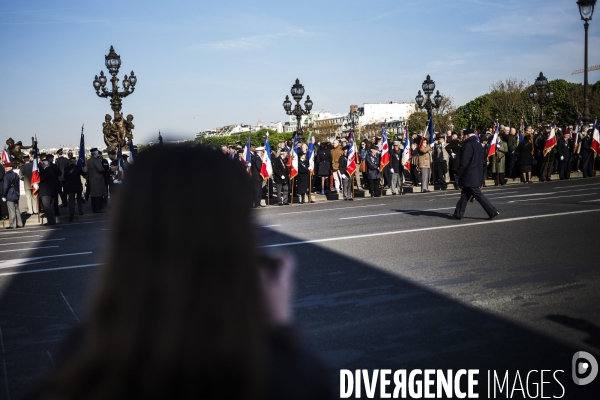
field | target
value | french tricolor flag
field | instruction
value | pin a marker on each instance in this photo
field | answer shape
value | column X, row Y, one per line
column 351, row 168
column 596, row 139
column 267, row 168
column 311, row 152
column 494, row 143
column 406, row 154
column 35, row 173
column 551, row 141
column 294, row 158
column 385, row 149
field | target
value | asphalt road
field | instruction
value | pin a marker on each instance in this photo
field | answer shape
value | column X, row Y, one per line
column 386, row 282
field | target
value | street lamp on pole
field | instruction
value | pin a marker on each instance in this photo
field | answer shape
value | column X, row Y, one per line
column 586, row 10
column 426, row 102
column 542, row 95
column 297, row 93
column 354, row 117
column 119, row 130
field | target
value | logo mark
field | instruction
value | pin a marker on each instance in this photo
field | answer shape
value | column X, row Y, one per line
column 579, row 368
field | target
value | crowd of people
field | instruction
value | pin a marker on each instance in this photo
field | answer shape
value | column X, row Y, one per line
column 516, row 156
column 63, row 183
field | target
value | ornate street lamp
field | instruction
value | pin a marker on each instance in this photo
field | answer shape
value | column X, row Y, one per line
column 586, row 10
column 117, row 132
column 542, row 95
column 297, row 93
column 426, row 102
column 353, row 118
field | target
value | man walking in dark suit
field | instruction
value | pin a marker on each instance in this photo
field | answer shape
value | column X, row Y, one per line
column 48, row 191
column 470, row 178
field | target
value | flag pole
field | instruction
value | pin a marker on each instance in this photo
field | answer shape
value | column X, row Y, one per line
column 310, row 173
column 292, row 184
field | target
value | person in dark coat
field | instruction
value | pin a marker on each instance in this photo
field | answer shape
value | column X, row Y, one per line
column 58, row 174
column 323, row 164
column 3, row 205
column 564, row 149
column 302, row 177
column 453, row 149
column 373, row 171
column 96, row 182
column 10, row 194
column 470, row 179
column 62, row 162
column 281, row 176
column 48, row 191
column 255, row 168
column 73, row 186
column 525, row 155
column 587, row 154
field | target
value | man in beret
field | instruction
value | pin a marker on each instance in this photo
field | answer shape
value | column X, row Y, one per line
column 470, row 179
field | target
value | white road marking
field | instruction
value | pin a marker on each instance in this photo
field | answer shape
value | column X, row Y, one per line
column 457, row 225
column 24, row 261
column 49, row 269
column 330, row 209
column 589, row 201
column 553, row 197
column 270, row 226
column 578, row 190
column 398, row 213
column 32, row 248
column 70, row 308
column 21, row 237
column 589, row 184
column 18, row 232
column 35, row 241
column 523, row 195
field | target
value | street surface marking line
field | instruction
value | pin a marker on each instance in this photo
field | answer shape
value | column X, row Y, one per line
column 458, row 225
column 578, row 190
column 22, row 261
column 589, row 201
column 20, row 237
column 554, row 197
column 523, row 195
column 399, row 213
column 20, row 232
column 330, row 209
column 70, row 308
column 588, row 184
column 35, row 241
column 49, row 269
column 33, row 248
column 270, row 226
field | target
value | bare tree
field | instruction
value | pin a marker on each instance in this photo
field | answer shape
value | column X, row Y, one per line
column 442, row 116
column 507, row 99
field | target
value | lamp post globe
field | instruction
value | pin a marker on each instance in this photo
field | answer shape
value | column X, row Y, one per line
column 297, row 92
column 426, row 102
column 586, row 9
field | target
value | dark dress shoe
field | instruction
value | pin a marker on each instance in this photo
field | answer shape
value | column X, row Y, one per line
column 350, row 199
column 456, row 217
column 494, row 215
column 9, row 227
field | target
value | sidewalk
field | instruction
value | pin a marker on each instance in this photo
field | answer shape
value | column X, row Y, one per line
column 32, row 220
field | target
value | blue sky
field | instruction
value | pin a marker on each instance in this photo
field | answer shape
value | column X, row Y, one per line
column 206, row 64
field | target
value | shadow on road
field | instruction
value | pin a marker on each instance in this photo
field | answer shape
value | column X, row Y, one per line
column 580, row 325
column 358, row 316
